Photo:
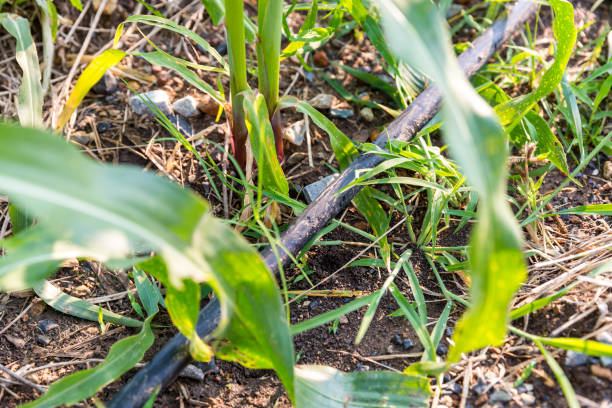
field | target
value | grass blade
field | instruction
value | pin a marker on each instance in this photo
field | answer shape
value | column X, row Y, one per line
column 566, row 386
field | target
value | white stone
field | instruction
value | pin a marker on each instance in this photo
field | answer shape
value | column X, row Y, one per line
column 295, row 133
column 313, row 190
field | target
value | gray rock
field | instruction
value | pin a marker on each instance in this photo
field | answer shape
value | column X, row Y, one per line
column 181, row 125
column 192, row 372
column 501, row 396
column 43, row 340
column 106, row 85
column 187, row 107
column 367, row 114
column 295, row 133
column 159, row 98
column 322, row 101
column 45, row 326
column 341, row 113
column 313, row 190
column 575, row 359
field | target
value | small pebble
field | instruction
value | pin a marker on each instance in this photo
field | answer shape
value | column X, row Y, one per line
column 43, row 340
column 450, row 331
column 605, row 337
column 361, row 368
column 181, row 125
column 82, row 137
column 367, row 114
column 222, row 47
column 109, row 9
column 208, row 105
column 103, row 127
column 309, row 75
column 295, row 133
column 306, row 303
column 322, row 101
column 343, row 319
column 159, row 98
column 210, row 366
column 106, row 85
column 457, row 389
column 480, row 386
column 595, row 172
column 374, row 134
column 187, row 107
column 501, row 396
column 441, row 350
column 313, row 304
column 607, row 170
column 528, row 399
column 320, row 59
column 397, row 339
column 407, row 344
column 341, row 113
column 313, row 190
column 575, row 359
column 45, row 326
column 192, row 372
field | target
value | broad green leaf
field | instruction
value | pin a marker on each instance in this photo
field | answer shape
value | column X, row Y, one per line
column 90, row 76
column 30, row 99
column 74, row 306
column 127, row 209
column 320, row 386
column 123, row 355
column 477, row 141
column 565, row 34
column 262, row 143
column 566, row 385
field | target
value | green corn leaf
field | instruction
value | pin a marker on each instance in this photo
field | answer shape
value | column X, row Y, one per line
column 370, row 79
column 576, row 121
column 566, row 385
column 30, row 99
column 216, row 10
column 477, row 141
column 90, row 76
column 123, row 355
column 565, row 34
column 127, row 209
column 262, row 143
column 73, row 306
column 320, row 386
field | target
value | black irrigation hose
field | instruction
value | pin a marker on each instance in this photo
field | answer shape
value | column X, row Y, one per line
column 169, row 362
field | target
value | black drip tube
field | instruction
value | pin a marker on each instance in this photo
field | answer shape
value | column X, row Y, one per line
column 168, row 363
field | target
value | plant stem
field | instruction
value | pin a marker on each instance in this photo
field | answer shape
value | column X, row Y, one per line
column 269, row 17
column 234, row 26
